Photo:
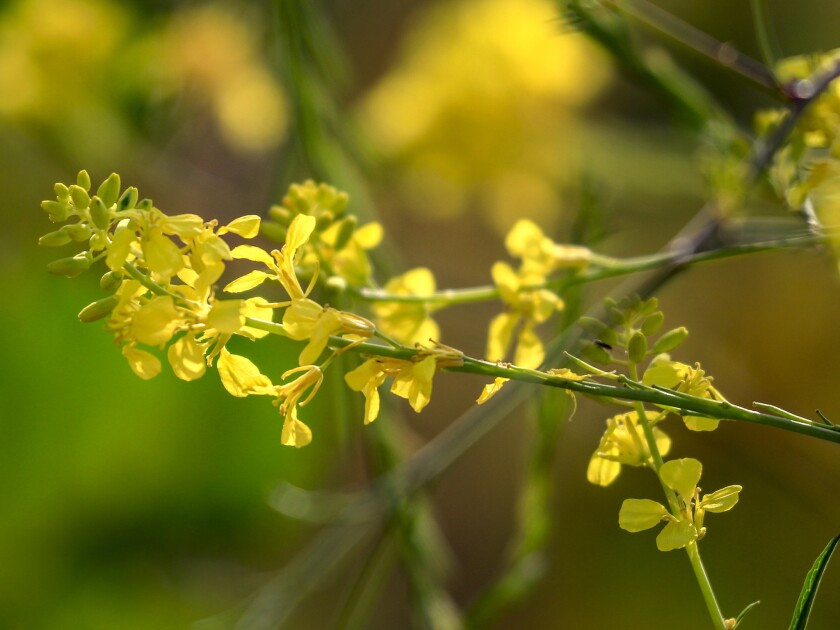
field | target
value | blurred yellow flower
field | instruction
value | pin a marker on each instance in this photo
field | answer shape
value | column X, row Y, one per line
column 474, row 110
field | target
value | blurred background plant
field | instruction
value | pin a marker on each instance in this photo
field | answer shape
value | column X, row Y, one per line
column 128, row 504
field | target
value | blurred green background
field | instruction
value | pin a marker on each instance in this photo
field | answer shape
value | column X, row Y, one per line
column 130, row 504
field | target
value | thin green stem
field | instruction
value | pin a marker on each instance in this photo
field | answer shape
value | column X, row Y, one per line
column 705, row 586
column 608, row 268
column 720, row 52
column 634, row 391
column 765, row 33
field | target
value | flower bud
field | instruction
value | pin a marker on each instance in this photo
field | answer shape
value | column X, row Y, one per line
column 280, row 214
column 128, row 199
column 83, row 180
column 55, row 239
column 99, row 213
column 670, row 340
column 145, row 205
column 323, row 220
column 637, row 347
column 62, row 192
column 653, row 323
column 109, row 190
column 345, row 232
column 69, row 267
column 273, row 231
column 99, row 309
column 58, row 211
column 110, row 281
column 79, row 197
column 79, row 232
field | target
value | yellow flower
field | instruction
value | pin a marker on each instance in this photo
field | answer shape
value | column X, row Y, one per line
column 349, row 259
column 624, row 443
column 281, row 264
column 412, row 380
column 526, row 309
column 688, row 380
column 681, row 476
column 366, row 379
column 408, row 322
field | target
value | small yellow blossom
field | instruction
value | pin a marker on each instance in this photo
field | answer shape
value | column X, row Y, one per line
column 624, row 443
column 688, row 380
column 681, row 476
column 412, row 380
column 408, row 322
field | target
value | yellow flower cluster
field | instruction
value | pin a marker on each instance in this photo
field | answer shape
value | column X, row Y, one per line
column 163, row 270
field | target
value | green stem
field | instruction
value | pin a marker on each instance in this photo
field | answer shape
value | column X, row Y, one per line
column 705, row 586
column 683, row 403
column 720, row 52
column 764, row 33
column 608, row 268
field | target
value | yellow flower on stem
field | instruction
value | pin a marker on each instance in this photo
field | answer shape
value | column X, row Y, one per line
column 412, row 381
column 408, row 322
column 685, row 379
column 624, row 443
column 526, row 309
column 681, row 476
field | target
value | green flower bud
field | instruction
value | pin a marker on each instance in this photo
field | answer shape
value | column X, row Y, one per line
column 55, row 239
column 79, row 232
column 653, row 323
column 83, row 180
column 79, row 197
column 145, row 205
column 58, row 211
column 109, row 190
column 98, row 241
column 110, row 281
column 280, row 214
column 99, row 309
column 273, row 231
column 596, row 354
column 670, row 340
column 62, row 192
column 99, row 213
column 128, row 199
column 323, row 220
column 70, row 267
column 637, row 347
column 345, row 232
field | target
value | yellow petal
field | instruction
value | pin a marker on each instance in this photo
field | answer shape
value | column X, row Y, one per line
column 162, row 255
column 144, row 364
column 498, row 339
column 682, row 475
column 529, row 349
column 295, row 432
column 369, row 235
column 299, row 232
column 675, row 535
column 156, row 321
column 186, row 356
column 119, row 248
column 721, row 500
column 247, row 282
column 252, row 252
column 637, row 515
column 246, row 227
column 602, row 472
column 490, row 390
column 240, row 376
column 184, row 225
